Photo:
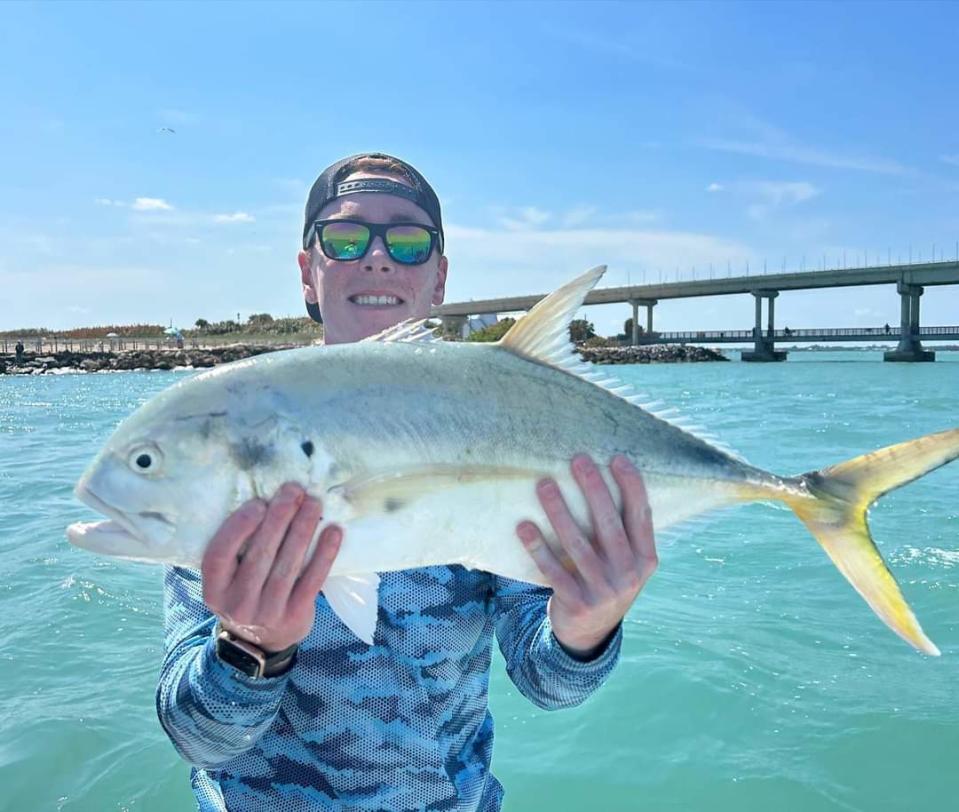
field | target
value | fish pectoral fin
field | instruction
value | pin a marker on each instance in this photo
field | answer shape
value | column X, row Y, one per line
column 355, row 600
column 391, row 491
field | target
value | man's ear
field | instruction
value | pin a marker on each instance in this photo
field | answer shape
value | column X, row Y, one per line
column 306, row 276
column 439, row 292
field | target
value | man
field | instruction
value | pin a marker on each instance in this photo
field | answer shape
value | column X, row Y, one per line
column 273, row 700
column 19, row 351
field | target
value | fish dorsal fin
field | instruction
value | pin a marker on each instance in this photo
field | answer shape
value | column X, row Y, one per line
column 543, row 334
column 411, row 331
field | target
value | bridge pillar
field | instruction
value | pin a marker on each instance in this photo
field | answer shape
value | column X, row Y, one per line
column 910, row 348
column 649, row 304
column 764, row 348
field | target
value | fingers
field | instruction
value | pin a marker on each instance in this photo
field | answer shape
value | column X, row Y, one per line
column 555, row 573
column 257, row 559
column 573, row 540
column 288, row 562
column 314, row 574
column 220, row 559
column 606, row 519
column 637, row 516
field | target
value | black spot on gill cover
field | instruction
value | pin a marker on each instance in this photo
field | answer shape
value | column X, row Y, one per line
column 393, row 504
column 307, row 447
column 250, row 452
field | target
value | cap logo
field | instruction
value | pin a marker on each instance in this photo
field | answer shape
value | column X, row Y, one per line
column 378, row 185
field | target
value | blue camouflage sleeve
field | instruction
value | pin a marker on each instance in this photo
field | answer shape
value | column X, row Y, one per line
column 543, row 671
column 211, row 712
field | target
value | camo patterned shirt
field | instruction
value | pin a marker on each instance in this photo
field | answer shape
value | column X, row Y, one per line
column 399, row 725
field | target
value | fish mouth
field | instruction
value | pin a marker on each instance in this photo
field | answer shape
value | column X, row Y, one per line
column 109, row 534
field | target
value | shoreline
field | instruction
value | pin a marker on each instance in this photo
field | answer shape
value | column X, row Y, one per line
column 67, row 361
column 130, row 360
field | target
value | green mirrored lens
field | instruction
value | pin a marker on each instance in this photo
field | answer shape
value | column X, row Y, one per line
column 408, row 244
column 344, row 240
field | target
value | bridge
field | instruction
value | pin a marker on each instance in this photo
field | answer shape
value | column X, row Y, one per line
column 811, row 335
column 910, row 280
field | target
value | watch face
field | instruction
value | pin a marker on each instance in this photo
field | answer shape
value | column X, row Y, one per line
column 240, row 659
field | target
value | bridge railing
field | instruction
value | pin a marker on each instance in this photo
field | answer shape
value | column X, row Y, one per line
column 813, row 334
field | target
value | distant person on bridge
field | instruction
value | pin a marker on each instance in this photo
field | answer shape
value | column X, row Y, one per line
column 887, row 328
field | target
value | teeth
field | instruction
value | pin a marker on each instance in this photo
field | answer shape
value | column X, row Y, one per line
column 375, row 300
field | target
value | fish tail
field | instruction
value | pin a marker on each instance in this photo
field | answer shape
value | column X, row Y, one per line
column 833, row 503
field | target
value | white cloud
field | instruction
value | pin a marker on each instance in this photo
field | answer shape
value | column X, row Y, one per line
column 236, row 217
column 799, row 153
column 779, row 192
column 106, row 201
column 950, row 159
column 578, row 216
column 767, row 141
column 715, row 187
column 151, row 204
column 639, row 50
column 491, row 263
column 524, row 218
column 641, row 217
column 775, row 194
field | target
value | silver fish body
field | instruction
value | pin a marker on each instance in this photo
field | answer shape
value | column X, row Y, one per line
column 428, row 453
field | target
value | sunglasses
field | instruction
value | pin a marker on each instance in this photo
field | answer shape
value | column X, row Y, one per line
column 345, row 240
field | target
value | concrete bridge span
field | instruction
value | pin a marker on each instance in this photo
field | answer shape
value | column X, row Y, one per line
column 911, row 280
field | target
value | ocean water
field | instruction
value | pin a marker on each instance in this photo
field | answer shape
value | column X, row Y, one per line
column 752, row 676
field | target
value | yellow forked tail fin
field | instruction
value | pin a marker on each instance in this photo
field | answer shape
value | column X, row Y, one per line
column 834, row 509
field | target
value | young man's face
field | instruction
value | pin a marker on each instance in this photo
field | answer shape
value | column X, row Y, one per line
column 338, row 287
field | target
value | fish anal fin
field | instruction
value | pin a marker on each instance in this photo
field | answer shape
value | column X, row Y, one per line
column 355, row 600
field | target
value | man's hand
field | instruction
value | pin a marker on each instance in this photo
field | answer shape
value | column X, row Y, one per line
column 601, row 576
column 254, row 577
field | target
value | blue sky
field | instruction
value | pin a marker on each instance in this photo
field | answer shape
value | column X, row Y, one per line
column 653, row 138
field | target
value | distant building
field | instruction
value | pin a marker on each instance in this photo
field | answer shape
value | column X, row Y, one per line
column 480, row 322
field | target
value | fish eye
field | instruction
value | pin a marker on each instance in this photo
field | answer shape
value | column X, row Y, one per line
column 145, row 459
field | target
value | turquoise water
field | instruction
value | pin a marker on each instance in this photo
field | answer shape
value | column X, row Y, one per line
column 752, row 676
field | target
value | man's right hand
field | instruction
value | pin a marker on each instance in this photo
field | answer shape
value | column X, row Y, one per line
column 254, row 576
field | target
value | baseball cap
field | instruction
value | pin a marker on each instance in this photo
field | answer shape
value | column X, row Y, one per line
column 330, row 185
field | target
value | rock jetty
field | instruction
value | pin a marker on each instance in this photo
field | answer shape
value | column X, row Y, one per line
column 650, row 354
column 67, row 361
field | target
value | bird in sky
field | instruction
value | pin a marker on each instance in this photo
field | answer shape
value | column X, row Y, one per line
column 167, row 130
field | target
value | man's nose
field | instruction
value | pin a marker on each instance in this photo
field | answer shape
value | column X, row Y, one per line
column 378, row 258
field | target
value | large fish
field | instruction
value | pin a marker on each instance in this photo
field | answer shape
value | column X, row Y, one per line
column 427, row 453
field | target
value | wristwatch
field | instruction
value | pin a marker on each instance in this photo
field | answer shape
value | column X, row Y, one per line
column 251, row 660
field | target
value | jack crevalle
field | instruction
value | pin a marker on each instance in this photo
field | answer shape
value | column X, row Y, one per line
column 427, row 453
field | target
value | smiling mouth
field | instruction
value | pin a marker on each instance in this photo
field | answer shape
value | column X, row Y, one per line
column 372, row 300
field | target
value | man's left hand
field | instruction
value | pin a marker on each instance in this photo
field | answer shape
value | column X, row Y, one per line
column 600, row 576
